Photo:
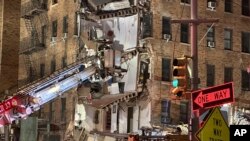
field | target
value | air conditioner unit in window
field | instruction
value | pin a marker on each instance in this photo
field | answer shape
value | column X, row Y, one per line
column 166, row 36
column 53, row 39
column 210, row 44
column 65, row 35
column 211, row 5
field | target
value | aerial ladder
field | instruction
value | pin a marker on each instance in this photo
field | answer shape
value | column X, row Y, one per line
column 31, row 97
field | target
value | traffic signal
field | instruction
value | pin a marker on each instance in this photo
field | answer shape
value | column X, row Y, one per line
column 179, row 76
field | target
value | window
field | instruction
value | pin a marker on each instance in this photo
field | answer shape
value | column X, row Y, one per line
column 245, row 80
column 44, row 29
column 228, row 74
column 211, row 4
column 64, row 62
column 210, row 75
column 52, row 110
column 42, row 70
column 184, row 111
column 63, row 109
column 228, row 6
column 65, row 24
column 31, row 74
column 184, row 33
column 166, row 69
column 54, row 28
column 210, row 37
column 166, row 28
column 245, row 7
column 54, row 2
column 76, row 24
column 53, row 66
column 185, row 1
column 228, row 39
column 165, row 111
column 147, row 25
column 245, row 42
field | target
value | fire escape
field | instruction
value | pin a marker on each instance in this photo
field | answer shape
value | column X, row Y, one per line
column 31, row 11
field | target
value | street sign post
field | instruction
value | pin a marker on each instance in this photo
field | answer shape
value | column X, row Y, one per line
column 213, row 96
column 215, row 128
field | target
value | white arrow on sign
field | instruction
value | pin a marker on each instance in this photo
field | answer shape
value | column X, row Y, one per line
column 202, row 99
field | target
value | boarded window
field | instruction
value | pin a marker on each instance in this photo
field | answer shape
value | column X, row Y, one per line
column 147, row 25
column 210, row 75
column 245, row 80
column 165, row 111
column 184, row 33
column 228, row 74
column 166, row 69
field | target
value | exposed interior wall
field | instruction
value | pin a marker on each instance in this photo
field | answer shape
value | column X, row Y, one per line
column 123, row 119
column 114, row 118
column 135, row 118
column 145, row 116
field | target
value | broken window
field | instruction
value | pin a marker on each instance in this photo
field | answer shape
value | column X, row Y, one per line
column 245, row 80
column 166, row 69
column 147, row 25
column 210, row 75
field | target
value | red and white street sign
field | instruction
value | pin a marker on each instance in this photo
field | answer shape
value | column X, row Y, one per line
column 213, row 96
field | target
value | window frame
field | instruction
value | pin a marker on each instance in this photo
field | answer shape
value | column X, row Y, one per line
column 211, row 35
column 184, row 33
column 229, row 40
column 210, row 75
column 245, row 7
column 245, row 80
column 54, row 28
column 166, row 26
column 228, row 74
column 228, row 6
column 245, row 42
column 65, row 24
column 166, row 72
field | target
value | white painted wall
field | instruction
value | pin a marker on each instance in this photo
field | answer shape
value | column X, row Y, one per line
column 135, row 118
column 88, row 122
column 145, row 115
column 123, row 120
column 113, row 118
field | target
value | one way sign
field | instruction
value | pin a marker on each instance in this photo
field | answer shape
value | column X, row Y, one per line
column 213, row 96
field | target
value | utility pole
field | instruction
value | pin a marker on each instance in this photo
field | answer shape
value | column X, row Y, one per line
column 194, row 22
